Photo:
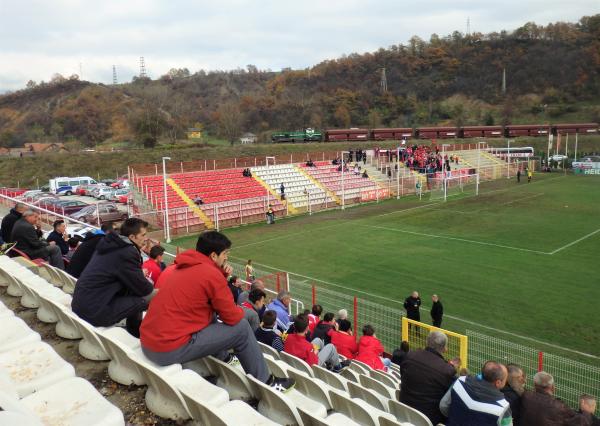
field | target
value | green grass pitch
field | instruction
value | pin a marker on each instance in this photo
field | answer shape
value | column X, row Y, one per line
column 524, row 258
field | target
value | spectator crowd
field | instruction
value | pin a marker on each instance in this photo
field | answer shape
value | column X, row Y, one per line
column 196, row 307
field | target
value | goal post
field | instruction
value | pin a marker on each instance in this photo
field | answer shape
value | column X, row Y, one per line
column 440, row 187
column 415, row 333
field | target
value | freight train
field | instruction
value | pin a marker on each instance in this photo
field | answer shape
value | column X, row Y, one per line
column 465, row 132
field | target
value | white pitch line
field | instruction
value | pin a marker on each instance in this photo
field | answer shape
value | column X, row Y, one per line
column 475, row 324
column 483, row 243
column 575, row 242
column 522, row 199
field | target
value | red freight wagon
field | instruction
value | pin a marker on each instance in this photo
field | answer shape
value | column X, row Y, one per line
column 482, row 132
column 437, row 132
column 581, row 128
column 347, row 135
column 513, row 130
column 392, row 134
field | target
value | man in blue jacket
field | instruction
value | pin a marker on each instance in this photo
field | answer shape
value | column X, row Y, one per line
column 281, row 308
column 113, row 286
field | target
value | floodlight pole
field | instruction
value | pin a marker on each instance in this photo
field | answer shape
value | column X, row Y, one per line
column 508, row 159
column 576, row 146
column 267, row 164
column 167, row 230
column 343, row 189
column 397, row 174
column 444, row 167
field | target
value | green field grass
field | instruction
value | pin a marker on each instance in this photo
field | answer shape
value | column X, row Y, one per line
column 522, row 258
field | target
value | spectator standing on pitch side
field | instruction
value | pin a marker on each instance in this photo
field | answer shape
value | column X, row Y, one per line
column 437, row 311
column 412, row 304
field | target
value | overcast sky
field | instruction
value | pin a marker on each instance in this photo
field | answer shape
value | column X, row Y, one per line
column 41, row 37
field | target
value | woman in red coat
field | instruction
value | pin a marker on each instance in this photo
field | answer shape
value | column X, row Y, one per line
column 370, row 349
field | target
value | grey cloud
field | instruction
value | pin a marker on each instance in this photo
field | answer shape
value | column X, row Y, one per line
column 39, row 37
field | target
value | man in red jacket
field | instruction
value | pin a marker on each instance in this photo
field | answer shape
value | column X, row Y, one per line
column 311, row 353
column 181, row 325
column 343, row 340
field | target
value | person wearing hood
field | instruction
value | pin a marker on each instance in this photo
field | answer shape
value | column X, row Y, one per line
column 8, row 221
column 113, row 286
column 181, row 323
column 478, row 401
column 86, row 249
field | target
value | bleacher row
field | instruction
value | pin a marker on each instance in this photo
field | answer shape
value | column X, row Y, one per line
column 38, row 387
column 237, row 197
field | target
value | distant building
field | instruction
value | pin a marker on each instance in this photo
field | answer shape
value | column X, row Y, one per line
column 194, row 133
column 248, row 138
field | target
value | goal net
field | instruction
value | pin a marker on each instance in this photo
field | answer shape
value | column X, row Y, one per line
column 443, row 187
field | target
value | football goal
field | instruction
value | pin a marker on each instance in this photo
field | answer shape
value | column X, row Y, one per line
column 443, row 187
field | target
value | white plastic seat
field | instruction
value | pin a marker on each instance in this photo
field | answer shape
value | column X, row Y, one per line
column 15, row 333
column 275, row 405
column 5, row 312
column 368, row 395
column 33, row 367
column 117, row 342
column 350, row 374
column 407, row 414
column 377, row 386
column 46, row 312
column 90, row 346
column 70, row 402
column 269, row 350
column 314, row 389
column 332, row 379
column 162, row 398
column 386, row 378
column 276, row 367
column 297, row 363
column 232, row 413
column 350, row 408
column 233, row 379
column 65, row 327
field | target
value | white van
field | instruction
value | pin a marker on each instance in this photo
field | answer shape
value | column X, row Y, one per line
column 68, row 185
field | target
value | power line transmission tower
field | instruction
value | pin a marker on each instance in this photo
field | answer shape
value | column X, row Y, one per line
column 503, row 80
column 142, row 68
column 114, row 75
column 468, row 25
column 383, row 82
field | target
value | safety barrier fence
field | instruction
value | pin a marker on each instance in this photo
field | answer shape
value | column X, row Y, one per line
column 402, row 182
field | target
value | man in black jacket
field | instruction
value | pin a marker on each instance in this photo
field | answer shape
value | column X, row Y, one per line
column 322, row 328
column 86, row 249
column 27, row 238
column 437, row 310
column 113, row 286
column 426, row 377
column 8, row 222
column 412, row 305
column 59, row 236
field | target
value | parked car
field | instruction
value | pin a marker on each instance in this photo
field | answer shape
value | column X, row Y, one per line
column 68, row 207
column 558, row 157
column 103, row 192
column 114, row 196
column 41, row 195
column 108, row 182
column 29, row 194
column 108, row 212
column 124, row 198
column 89, row 189
column 123, row 182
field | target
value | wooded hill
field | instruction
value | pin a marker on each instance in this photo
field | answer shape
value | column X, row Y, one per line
column 552, row 74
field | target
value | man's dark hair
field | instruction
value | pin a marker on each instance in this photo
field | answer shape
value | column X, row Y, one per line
column 156, row 251
column 300, row 324
column 328, row 317
column 57, row 223
column 256, row 295
column 73, row 242
column 368, row 330
column 107, row 227
column 317, row 310
column 492, row 371
column 345, row 325
column 133, row 226
column 212, row 242
column 269, row 318
column 232, row 279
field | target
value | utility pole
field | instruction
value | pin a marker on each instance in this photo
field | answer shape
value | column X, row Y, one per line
column 468, row 26
column 142, row 68
column 504, row 81
column 114, row 74
column 383, row 82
